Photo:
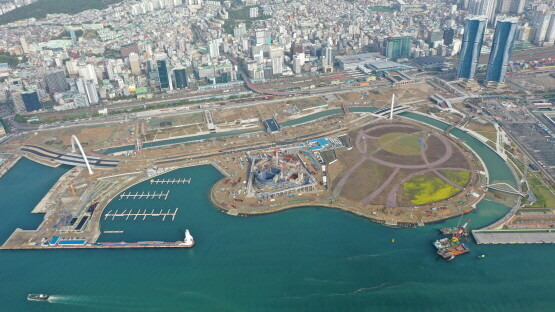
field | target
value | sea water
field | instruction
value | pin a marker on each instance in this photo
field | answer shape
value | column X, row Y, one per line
column 304, row 259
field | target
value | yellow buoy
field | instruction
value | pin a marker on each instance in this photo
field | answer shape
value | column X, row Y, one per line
column 393, row 240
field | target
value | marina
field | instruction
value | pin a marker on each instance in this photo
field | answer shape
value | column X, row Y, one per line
column 144, row 214
column 171, row 181
column 142, row 195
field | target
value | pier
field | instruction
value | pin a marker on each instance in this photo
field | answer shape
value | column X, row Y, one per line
column 145, row 196
column 171, row 181
column 144, row 214
column 514, row 236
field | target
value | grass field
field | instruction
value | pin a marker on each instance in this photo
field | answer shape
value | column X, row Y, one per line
column 401, row 143
column 492, row 136
column 544, row 197
column 461, row 178
column 422, row 190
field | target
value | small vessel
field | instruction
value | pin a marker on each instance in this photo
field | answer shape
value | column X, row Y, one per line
column 189, row 240
column 393, row 240
column 37, row 297
column 481, row 256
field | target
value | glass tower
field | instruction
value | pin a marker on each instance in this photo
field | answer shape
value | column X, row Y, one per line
column 180, row 78
column 398, row 47
column 471, row 46
column 164, row 75
column 503, row 41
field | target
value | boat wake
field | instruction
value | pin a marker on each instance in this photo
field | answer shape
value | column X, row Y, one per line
column 72, row 300
column 359, row 257
column 323, row 281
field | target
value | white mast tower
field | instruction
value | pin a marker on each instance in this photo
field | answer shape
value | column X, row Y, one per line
column 392, row 103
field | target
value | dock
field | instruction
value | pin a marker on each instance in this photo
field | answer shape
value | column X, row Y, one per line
column 142, row 195
column 171, row 181
column 134, row 215
column 515, row 236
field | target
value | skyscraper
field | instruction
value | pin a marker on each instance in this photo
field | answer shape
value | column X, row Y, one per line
column 164, row 75
column 542, row 24
column 398, row 47
column 134, row 64
column 482, row 7
column 56, row 81
column 24, row 45
column 214, row 48
column 510, row 6
column 31, row 101
column 327, row 59
column 73, row 37
column 550, row 34
column 448, row 36
column 503, row 41
column 472, row 44
column 92, row 94
column 180, row 78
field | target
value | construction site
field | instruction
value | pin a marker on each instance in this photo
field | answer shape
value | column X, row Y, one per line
column 350, row 150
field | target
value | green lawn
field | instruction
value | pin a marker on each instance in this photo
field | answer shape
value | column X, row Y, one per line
column 401, row 143
column 461, row 178
column 492, row 136
column 544, row 197
column 422, row 190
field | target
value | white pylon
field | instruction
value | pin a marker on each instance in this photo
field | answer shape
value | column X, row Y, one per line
column 74, row 141
column 392, row 104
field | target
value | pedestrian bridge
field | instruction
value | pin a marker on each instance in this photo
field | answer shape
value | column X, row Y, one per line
column 506, row 188
column 71, row 159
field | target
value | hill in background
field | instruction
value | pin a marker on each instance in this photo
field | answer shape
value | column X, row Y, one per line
column 40, row 8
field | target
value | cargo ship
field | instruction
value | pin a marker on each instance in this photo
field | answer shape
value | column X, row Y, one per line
column 449, row 248
column 37, row 297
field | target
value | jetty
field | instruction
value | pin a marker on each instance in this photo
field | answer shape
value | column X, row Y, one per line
column 148, row 195
column 514, row 236
column 134, row 215
column 171, row 181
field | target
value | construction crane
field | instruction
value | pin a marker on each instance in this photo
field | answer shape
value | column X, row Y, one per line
column 461, row 231
column 73, row 191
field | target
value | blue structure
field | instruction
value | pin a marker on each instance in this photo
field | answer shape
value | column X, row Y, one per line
column 31, row 101
column 271, row 125
column 180, row 78
column 472, row 44
column 54, row 241
column 164, row 75
column 503, row 41
column 72, row 242
column 318, row 144
column 73, row 37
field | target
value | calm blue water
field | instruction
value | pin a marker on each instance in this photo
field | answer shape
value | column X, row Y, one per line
column 306, row 259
